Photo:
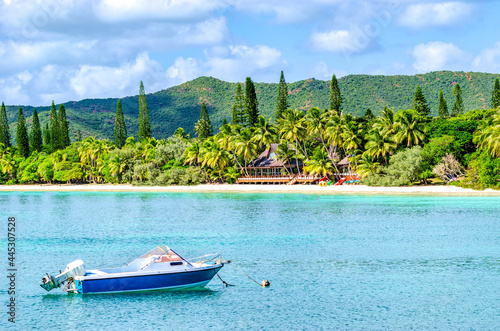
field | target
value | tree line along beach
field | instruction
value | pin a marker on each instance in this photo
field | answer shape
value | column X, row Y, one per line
column 405, row 147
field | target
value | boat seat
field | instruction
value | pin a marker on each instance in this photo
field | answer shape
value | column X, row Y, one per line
column 168, row 258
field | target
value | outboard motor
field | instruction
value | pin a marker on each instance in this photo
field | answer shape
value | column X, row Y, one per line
column 73, row 269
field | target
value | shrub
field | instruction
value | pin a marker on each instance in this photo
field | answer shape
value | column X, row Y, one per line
column 437, row 148
column 404, row 168
column 449, row 169
column 484, row 172
column 172, row 149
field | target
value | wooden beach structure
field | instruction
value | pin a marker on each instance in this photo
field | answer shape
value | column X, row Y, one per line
column 267, row 168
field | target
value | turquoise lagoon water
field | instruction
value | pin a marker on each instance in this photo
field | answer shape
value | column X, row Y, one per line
column 334, row 262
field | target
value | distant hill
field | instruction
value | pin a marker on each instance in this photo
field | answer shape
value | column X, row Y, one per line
column 179, row 106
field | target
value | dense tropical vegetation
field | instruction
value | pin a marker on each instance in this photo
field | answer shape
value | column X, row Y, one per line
column 398, row 147
column 179, row 106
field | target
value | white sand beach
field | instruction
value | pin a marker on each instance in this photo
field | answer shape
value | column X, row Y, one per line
column 251, row 188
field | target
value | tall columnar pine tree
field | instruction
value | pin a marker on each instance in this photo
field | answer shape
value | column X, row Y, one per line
column 495, row 95
column 144, row 122
column 458, row 106
column 335, row 97
column 22, row 141
column 239, row 106
column 120, row 133
column 36, row 134
column 420, row 104
column 79, row 135
column 204, row 127
column 63, row 128
column 47, row 136
column 251, row 103
column 4, row 127
column 54, row 126
column 443, row 106
column 282, row 100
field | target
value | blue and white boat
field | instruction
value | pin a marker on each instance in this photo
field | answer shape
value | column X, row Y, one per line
column 158, row 269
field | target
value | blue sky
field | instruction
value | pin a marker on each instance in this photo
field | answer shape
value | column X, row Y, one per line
column 65, row 50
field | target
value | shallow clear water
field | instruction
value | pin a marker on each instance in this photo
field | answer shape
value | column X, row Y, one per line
column 334, row 262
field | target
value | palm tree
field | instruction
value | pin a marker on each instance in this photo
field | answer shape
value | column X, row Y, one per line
column 180, row 133
column 293, row 129
column 204, row 148
column 366, row 164
column 379, row 145
column 149, row 154
column 225, row 136
column 410, row 128
column 232, row 174
column 116, row 166
column 192, row 154
column 8, row 165
column 58, row 157
column 228, row 136
column 101, row 164
column 265, row 133
column 141, row 173
column 385, row 124
column 245, row 146
column 85, row 153
column 319, row 163
column 487, row 136
column 316, row 123
column 285, row 154
column 90, row 150
column 351, row 135
column 149, row 149
column 101, row 147
column 129, row 142
column 334, row 134
column 215, row 156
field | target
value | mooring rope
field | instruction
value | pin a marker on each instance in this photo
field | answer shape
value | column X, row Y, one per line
column 246, row 274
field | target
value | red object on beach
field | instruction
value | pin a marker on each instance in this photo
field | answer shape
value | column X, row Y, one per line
column 324, row 179
column 340, row 181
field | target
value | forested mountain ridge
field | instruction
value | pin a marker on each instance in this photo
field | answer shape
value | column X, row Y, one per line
column 179, row 106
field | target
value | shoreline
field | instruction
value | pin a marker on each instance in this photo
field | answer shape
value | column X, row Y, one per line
column 436, row 190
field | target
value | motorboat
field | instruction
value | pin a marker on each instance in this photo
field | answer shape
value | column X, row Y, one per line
column 158, row 269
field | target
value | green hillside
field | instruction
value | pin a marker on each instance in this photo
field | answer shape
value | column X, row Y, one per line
column 179, row 106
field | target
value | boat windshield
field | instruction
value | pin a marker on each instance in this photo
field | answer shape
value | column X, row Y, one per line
column 162, row 254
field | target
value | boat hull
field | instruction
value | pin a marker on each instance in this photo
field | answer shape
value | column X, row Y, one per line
column 152, row 281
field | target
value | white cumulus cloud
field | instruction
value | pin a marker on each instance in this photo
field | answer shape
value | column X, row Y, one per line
column 183, row 70
column 62, row 83
column 434, row 14
column 488, row 59
column 341, row 41
column 102, row 81
column 65, row 83
column 291, row 11
column 242, row 60
column 126, row 10
column 232, row 63
column 438, row 56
